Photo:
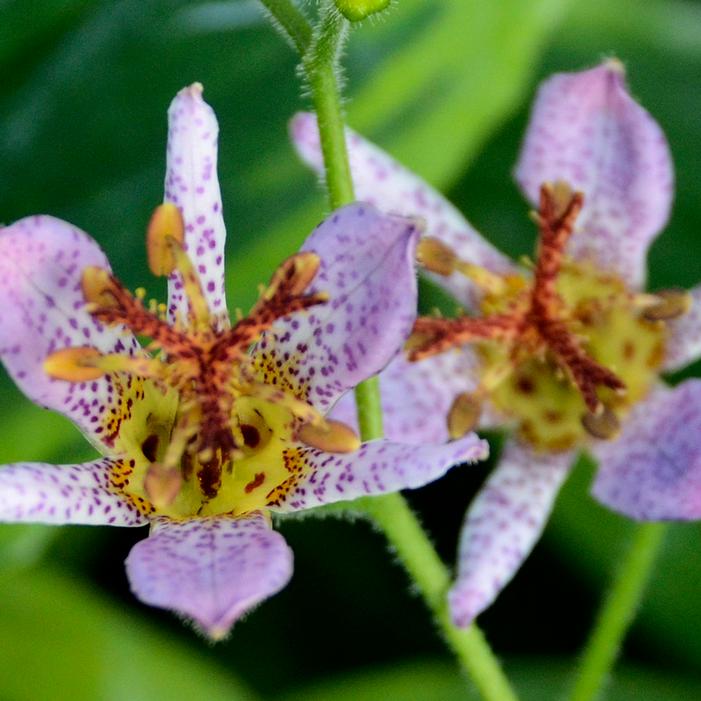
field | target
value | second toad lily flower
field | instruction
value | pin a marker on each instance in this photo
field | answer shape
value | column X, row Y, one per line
column 567, row 353
column 210, row 428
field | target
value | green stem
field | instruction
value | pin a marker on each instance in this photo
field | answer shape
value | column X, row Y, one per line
column 618, row 611
column 291, row 22
column 391, row 512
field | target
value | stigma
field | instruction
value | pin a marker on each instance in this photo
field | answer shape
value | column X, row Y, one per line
column 565, row 351
column 210, row 413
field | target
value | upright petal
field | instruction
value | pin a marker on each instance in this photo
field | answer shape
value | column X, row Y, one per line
column 382, row 181
column 192, row 184
column 367, row 270
column 587, row 130
column 416, row 397
column 58, row 494
column 41, row 264
column 378, row 467
column 503, row 524
column 684, row 341
column 653, row 471
column 212, row 570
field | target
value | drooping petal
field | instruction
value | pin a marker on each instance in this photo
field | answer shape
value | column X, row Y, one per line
column 41, row 264
column 586, row 129
column 684, row 341
column 416, row 397
column 652, row 472
column 367, row 270
column 503, row 524
column 211, row 570
column 382, row 181
column 59, row 494
column 378, row 467
column 191, row 183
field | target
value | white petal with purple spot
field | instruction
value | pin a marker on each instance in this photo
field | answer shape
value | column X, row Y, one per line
column 60, row 494
column 383, row 182
column 503, row 524
column 586, row 129
column 211, row 570
column 192, row 184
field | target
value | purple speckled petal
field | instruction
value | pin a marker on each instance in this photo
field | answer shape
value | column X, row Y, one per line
column 377, row 467
column 382, row 181
column 43, row 310
column 367, row 269
column 587, row 130
column 59, row 494
column 653, row 471
column 684, row 341
column 192, row 184
column 212, row 570
column 416, row 397
column 503, row 524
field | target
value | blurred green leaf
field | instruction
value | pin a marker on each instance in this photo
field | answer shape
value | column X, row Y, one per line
column 69, row 644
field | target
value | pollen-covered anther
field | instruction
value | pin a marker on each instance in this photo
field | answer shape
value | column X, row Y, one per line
column 602, row 424
column 293, row 276
column 166, row 229
column 330, row 436
column 99, row 288
column 74, row 364
column 436, row 256
column 463, row 415
column 666, row 305
column 162, row 484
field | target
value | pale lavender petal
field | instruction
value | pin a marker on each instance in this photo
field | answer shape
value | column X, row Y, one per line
column 503, row 524
column 211, row 570
column 684, row 341
column 416, row 397
column 41, row 264
column 367, row 269
column 377, row 467
column 653, row 471
column 587, row 130
column 59, row 494
column 192, row 184
column 382, row 181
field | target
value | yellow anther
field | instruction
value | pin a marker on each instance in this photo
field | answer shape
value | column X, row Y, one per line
column 293, row 276
column 436, row 256
column 666, row 305
column 483, row 278
column 74, row 364
column 463, row 415
column 331, row 436
column 140, row 293
column 603, row 424
column 162, row 484
column 165, row 229
column 98, row 286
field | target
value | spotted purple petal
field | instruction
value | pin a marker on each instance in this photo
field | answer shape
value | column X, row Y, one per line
column 43, row 310
column 502, row 525
column 367, row 270
column 382, row 181
column 684, row 341
column 653, row 471
column 416, row 397
column 192, row 184
column 59, row 494
column 211, row 570
column 376, row 468
column 587, row 130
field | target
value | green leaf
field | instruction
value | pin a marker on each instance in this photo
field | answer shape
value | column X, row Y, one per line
column 62, row 641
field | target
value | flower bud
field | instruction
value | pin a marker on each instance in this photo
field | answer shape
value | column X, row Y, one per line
column 357, row 10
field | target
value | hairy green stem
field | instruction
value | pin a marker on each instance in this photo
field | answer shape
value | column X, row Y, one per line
column 391, row 513
column 291, row 22
column 618, row 611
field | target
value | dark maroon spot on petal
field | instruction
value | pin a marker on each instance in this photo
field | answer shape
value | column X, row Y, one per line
column 251, row 435
column 149, row 447
column 255, row 482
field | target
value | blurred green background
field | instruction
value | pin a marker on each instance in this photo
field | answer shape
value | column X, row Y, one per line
column 444, row 85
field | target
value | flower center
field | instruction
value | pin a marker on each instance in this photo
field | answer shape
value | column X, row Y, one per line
column 204, row 429
column 564, row 353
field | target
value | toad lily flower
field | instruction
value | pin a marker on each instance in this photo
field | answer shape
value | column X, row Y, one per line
column 211, row 427
column 566, row 352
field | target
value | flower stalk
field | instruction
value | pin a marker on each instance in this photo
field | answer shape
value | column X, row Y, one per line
column 618, row 611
